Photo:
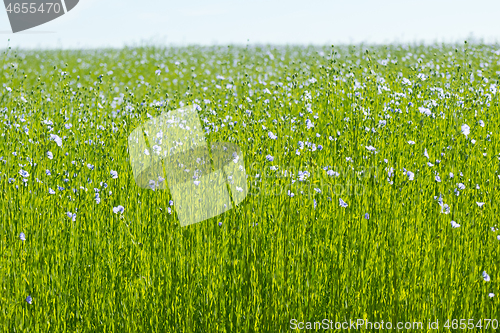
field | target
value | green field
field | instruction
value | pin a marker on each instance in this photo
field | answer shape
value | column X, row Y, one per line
column 406, row 134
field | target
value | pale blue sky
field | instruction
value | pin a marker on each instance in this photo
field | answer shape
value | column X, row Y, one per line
column 115, row 23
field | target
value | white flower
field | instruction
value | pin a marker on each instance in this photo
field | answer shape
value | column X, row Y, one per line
column 486, row 277
column 303, row 175
column 390, row 172
column 49, row 155
column 411, row 142
column 454, row 224
column 156, row 149
column 332, row 173
column 407, row 82
column 491, row 295
column 465, row 129
column 114, row 174
column 118, row 209
column 152, row 184
column 425, row 111
column 309, row 124
column 57, row 139
column 410, row 174
column 493, row 88
column 370, row 148
column 480, row 204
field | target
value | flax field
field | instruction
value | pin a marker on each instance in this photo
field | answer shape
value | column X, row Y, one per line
column 373, row 188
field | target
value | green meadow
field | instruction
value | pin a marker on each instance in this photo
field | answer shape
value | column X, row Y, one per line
column 373, row 189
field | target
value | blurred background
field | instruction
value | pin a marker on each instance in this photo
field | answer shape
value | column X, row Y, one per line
column 116, row 23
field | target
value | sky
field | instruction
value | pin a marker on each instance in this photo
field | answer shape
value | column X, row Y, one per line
column 118, row 23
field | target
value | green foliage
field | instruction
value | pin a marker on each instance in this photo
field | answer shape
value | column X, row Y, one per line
column 275, row 257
